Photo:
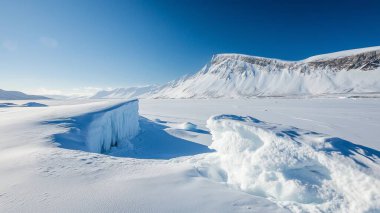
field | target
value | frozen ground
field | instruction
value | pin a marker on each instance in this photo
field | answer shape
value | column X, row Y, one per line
column 170, row 167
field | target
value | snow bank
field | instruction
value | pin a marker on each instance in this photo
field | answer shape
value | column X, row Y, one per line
column 114, row 127
column 34, row 104
column 7, row 104
column 188, row 126
column 29, row 104
column 101, row 130
column 301, row 170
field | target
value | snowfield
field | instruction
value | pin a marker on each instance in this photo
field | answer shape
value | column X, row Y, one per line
column 289, row 155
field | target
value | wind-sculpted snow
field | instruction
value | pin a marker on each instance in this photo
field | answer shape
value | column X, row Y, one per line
column 300, row 170
column 100, row 131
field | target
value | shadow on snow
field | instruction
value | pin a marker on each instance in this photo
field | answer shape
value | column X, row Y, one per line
column 153, row 142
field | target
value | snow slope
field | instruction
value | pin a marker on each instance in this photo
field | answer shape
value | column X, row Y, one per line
column 243, row 76
column 125, row 93
column 302, row 170
column 15, row 95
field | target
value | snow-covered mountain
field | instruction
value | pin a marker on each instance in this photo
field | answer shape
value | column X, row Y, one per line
column 125, row 93
column 15, row 95
column 237, row 76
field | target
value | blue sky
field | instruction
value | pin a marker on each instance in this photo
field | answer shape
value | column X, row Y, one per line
column 82, row 45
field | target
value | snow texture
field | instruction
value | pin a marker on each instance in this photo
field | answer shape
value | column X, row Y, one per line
column 101, row 130
column 303, row 171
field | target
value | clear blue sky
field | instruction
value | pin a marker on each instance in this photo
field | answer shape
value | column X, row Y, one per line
column 64, row 44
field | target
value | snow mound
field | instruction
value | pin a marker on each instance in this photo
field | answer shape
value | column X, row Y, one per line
column 29, row 104
column 300, row 170
column 100, row 131
column 7, row 104
column 188, row 126
column 34, row 104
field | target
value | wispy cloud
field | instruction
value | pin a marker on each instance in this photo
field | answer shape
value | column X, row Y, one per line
column 10, row 45
column 48, row 42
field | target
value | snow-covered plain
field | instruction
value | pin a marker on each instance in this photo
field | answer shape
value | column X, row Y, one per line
column 170, row 167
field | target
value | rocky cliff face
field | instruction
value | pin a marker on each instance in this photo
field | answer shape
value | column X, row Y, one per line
column 237, row 76
column 368, row 60
column 363, row 61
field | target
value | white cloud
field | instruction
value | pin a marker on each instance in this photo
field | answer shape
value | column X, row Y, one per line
column 10, row 45
column 74, row 92
column 49, row 42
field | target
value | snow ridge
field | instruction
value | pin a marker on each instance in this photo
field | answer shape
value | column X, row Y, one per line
column 301, row 170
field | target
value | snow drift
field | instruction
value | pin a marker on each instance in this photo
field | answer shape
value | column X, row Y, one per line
column 243, row 76
column 188, row 126
column 100, row 131
column 299, row 169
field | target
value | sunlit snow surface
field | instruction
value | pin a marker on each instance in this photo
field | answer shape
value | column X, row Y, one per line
column 301, row 170
column 46, row 167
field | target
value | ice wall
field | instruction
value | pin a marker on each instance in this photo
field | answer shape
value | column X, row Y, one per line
column 301, row 170
column 113, row 127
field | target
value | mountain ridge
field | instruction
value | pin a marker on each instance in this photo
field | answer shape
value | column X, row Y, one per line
column 16, row 95
column 125, row 93
column 242, row 76
column 233, row 75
